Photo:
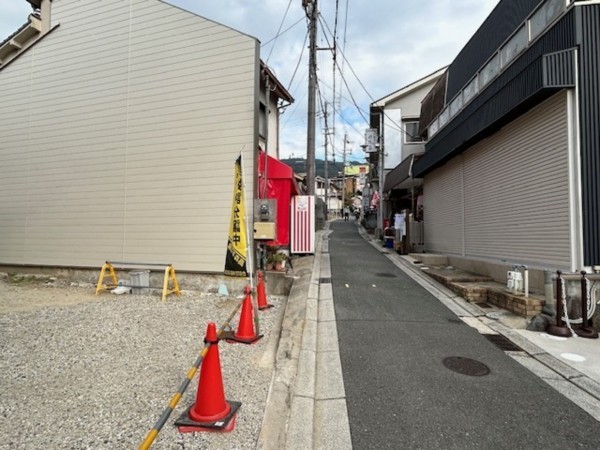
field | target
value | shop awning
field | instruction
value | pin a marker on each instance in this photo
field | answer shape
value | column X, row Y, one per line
column 275, row 168
column 401, row 176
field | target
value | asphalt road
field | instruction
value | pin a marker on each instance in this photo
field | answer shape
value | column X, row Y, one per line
column 394, row 337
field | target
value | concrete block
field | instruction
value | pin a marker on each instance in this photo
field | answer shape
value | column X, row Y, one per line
column 305, row 378
column 430, row 259
column 312, row 308
column 332, row 429
column 309, row 336
column 329, row 376
column 327, row 337
column 326, row 311
column 325, row 292
column 301, row 423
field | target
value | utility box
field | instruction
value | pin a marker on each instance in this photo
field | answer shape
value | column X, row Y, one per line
column 264, row 231
column 265, row 210
column 140, row 282
column 265, row 219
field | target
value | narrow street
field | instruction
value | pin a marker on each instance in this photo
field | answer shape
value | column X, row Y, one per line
column 400, row 348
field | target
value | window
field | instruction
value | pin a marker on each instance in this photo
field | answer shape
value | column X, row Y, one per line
column 456, row 105
column 514, row 46
column 411, row 132
column 262, row 121
column 433, row 128
column 444, row 116
column 549, row 11
column 470, row 91
column 490, row 70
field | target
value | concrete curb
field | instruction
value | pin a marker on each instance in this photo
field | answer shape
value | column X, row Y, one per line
column 274, row 430
column 318, row 415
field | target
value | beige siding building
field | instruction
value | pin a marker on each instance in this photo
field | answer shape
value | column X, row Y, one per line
column 120, row 128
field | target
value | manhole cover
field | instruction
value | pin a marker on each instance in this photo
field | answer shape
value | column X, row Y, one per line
column 385, row 275
column 466, row 366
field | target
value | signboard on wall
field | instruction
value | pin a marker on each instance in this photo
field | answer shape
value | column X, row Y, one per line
column 371, row 140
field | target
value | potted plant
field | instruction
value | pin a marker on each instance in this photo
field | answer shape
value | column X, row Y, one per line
column 270, row 252
column 279, row 260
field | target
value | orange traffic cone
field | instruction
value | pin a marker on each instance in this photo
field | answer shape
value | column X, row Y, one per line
column 210, row 412
column 261, row 295
column 245, row 332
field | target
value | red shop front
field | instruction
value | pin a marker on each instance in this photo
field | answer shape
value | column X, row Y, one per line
column 278, row 184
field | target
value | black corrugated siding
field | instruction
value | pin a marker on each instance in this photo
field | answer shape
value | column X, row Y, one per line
column 498, row 26
column 588, row 20
column 516, row 90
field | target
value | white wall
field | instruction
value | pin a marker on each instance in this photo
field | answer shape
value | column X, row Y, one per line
column 407, row 106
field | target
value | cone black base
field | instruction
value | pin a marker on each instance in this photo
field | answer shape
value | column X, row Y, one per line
column 224, row 425
column 234, row 339
column 267, row 306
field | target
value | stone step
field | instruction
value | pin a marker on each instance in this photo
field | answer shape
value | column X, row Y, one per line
column 482, row 289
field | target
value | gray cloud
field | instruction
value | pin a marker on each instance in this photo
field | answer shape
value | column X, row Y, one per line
column 389, row 44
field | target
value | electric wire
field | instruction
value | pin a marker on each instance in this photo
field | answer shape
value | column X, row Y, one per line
column 344, row 78
column 341, row 97
column 283, row 32
column 299, row 61
column 393, row 123
column 330, row 140
column 279, row 30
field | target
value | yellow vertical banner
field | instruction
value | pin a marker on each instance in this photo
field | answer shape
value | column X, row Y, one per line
column 237, row 243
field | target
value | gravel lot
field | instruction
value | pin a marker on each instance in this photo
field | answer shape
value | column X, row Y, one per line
column 80, row 371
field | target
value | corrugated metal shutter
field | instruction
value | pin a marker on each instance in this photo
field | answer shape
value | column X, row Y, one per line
column 443, row 208
column 516, row 188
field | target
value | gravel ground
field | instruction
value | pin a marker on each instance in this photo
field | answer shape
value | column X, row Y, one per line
column 80, row 371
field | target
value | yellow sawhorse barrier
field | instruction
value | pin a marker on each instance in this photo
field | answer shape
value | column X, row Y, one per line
column 108, row 269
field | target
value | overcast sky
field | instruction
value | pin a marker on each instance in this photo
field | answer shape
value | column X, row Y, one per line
column 384, row 46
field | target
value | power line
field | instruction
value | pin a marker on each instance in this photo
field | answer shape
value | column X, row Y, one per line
column 299, row 60
column 344, row 78
column 393, row 123
column 279, row 30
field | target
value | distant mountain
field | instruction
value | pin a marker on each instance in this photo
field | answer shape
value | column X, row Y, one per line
column 334, row 169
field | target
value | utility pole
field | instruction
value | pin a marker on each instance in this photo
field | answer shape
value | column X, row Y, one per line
column 344, row 173
column 326, row 165
column 310, row 7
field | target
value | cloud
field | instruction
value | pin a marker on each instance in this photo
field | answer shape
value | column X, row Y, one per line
column 388, row 44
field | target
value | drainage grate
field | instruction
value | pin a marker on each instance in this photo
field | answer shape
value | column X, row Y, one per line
column 503, row 343
column 325, row 280
column 484, row 305
column 466, row 366
column 386, row 275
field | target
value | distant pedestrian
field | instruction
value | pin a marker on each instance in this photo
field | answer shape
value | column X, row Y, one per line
column 346, row 214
